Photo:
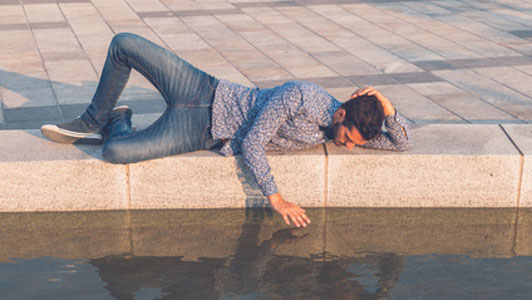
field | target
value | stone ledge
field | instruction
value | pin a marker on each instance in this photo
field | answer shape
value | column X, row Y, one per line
column 450, row 166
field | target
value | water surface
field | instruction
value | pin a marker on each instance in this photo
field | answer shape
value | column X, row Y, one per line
column 251, row 254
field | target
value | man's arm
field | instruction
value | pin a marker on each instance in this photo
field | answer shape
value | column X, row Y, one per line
column 273, row 115
column 397, row 137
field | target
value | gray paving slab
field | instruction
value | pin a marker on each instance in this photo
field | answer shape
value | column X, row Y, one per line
column 28, row 114
column 15, row 26
column 508, row 100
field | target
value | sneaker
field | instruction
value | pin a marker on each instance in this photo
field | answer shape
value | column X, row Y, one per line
column 75, row 131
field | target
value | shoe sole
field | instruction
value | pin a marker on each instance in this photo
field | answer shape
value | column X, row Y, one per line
column 63, row 136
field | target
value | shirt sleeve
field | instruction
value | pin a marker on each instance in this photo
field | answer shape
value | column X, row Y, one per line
column 282, row 105
column 397, row 136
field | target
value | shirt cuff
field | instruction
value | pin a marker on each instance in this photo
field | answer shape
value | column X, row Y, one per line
column 269, row 188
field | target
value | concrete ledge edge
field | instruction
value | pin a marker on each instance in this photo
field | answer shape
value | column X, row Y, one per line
column 450, row 166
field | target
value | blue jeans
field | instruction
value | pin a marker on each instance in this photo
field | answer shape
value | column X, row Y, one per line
column 189, row 92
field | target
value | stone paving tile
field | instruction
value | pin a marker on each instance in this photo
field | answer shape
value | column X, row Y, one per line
column 11, row 47
column 74, row 81
column 415, row 77
column 417, row 107
column 526, row 69
column 377, row 79
column 331, row 82
column 9, row 2
column 431, row 65
column 37, row 1
column 506, row 99
column 114, row 10
column 6, row 27
column 164, row 26
column 56, row 40
column 474, row 63
column 24, row 114
column 342, row 94
column 472, row 109
column 435, row 88
column 39, row 13
column 202, row 12
column 48, row 25
column 28, row 97
column 156, row 14
column 345, row 64
column 511, row 77
column 12, row 14
column 92, row 32
column 147, row 6
column 69, row 55
column 136, row 26
column 31, row 124
column 526, row 34
column 183, row 5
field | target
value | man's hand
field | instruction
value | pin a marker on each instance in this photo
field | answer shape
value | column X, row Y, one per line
column 387, row 106
column 289, row 211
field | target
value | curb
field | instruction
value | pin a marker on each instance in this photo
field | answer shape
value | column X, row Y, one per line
column 451, row 165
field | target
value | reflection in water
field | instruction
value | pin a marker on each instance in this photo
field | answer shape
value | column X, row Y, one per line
column 229, row 254
column 253, row 272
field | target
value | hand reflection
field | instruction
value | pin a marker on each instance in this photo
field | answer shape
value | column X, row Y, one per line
column 286, row 235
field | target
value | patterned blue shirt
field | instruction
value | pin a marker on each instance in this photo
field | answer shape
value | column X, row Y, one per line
column 293, row 116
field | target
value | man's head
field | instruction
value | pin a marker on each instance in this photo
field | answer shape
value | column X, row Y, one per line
column 357, row 121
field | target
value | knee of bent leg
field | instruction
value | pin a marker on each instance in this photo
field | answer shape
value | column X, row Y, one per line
column 112, row 153
column 122, row 39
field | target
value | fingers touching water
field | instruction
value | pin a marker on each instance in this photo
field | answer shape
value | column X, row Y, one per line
column 289, row 211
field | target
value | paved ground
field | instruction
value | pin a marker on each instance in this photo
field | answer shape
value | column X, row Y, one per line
column 442, row 61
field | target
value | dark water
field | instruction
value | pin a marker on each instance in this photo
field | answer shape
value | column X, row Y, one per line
column 239, row 254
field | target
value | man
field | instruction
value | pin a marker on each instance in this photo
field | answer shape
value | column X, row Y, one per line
column 204, row 112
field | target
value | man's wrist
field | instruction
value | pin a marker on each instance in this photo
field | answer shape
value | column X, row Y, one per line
column 389, row 110
column 275, row 199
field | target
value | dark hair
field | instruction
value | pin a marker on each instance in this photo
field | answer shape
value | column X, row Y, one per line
column 366, row 114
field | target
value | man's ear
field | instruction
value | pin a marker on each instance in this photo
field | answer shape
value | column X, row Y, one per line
column 340, row 113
